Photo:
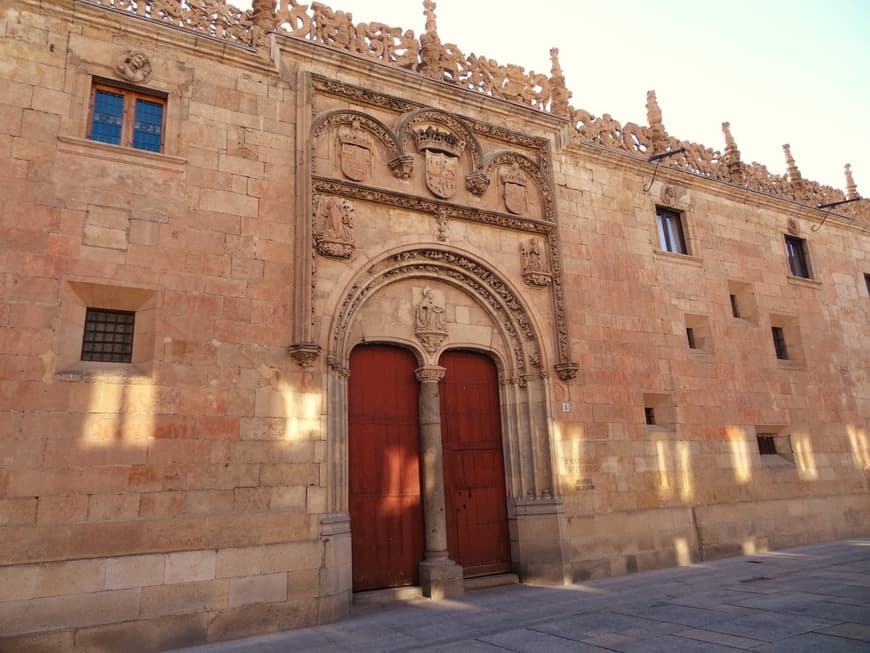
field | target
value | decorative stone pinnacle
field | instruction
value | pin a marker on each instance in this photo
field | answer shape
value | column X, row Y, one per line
column 731, row 157
column 656, row 128
column 560, row 95
column 263, row 13
column 794, row 175
column 729, row 139
column 851, row 188
column 429, row 12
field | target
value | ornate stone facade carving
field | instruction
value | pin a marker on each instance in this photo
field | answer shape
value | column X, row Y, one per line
column 333, row 226
column 533, row 266
column 446, row 62
column 515, row 194
column 134, row 66
column 430, row 373
column 358, row 128
column 430, row 322
column 304, row 353
column 355, row 151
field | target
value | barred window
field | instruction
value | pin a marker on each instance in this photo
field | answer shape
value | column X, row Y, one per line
column 108, row 336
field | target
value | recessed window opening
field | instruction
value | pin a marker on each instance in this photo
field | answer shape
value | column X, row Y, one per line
column 690, row 336
column 670, row 227
column 120, row 116
column 735, row 310
column 108, row 336
column 795, row 249
column 766, row 444
column 867, row 281
column 650, row 415
column 779, row 342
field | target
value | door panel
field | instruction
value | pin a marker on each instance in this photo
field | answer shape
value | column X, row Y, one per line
column 386, row 515
column 477, row 528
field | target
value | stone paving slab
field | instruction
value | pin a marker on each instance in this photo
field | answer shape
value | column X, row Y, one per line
column 811, row 598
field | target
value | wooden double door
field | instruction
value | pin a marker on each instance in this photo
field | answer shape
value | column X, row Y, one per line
column 386, row 503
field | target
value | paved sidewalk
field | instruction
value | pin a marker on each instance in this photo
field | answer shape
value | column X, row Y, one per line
column 812, row 598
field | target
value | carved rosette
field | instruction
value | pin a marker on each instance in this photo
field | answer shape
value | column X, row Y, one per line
column 430, row 373
column 304, row 353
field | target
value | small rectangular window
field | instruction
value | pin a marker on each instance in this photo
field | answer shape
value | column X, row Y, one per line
column 690, row 336
column 779, row 342
column 766, row 444
column 108, row 336
column 867, row 281
column 735, row 311
column 650, row 415
column 128, row 118
column 795, row 249
column 670, row 227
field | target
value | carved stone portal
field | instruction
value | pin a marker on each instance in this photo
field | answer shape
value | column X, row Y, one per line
column 534, row 269
column 356, row 151
column 134, row 65
column 515, row 192
column 430, row 323
column 334, row 216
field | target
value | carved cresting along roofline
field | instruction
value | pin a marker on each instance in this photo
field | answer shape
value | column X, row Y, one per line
column 445, row 62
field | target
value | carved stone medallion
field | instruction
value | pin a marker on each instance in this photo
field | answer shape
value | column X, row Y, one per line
column 134, row 65
column 441, row 173
column 515, row 192
column 430, row 322
column 356, row 151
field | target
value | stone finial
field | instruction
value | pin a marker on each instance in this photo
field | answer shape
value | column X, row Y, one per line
column 429, row 12
column 851, row 188
column 794, row 175
column 560, row 95
column 656, row 128
column 731, row 157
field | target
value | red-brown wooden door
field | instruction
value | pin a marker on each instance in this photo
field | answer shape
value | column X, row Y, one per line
column 474, row 485
column 386, row 515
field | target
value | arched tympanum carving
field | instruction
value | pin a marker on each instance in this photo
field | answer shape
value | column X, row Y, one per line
column 499, row 158
column 400, row 163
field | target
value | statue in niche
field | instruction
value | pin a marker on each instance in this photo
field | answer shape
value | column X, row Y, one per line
column 431, row 322
column 533, row 267
column 356, row 151
column 515, row 193
column 334, row 238
column 133, row 65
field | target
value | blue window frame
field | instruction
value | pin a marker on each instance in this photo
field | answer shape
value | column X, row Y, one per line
column 127, row 118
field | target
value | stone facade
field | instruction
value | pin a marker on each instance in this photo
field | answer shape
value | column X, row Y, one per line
column 314, row 192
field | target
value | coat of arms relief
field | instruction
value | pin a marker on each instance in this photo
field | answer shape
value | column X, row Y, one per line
column 355, row 154
column 442, row 150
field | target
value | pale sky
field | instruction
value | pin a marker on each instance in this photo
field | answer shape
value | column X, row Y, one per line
column 788, row 71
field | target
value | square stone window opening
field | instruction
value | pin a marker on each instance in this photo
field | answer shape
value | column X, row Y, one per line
column 127, row 116
column 774, row 445
column 698, row 336
column 106, row 330
column 671, row 230
column 867, row 283
column 659, row 413
column 798, row 257
column 742, row 303
column 786, row 339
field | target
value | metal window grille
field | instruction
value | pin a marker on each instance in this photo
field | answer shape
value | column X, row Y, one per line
column 108, row 336
column 797, row 257
column 766, row 444
column 779, row 343
column 650, row 415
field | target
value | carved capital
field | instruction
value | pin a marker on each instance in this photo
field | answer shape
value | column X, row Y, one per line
column 430, row 373
column 337, row 366
column 567, row 371
column 402, row 166
column 477, row 183
column 304, row 353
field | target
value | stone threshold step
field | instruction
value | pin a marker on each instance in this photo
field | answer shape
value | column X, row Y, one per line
column 493, row 580
column 414, row 593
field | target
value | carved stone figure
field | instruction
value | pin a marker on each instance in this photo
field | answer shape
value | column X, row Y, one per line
column 334, row 238
column 430, row 322
column 533, row 267
column 515, row 192
column 356, row 151
column 134, row 65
